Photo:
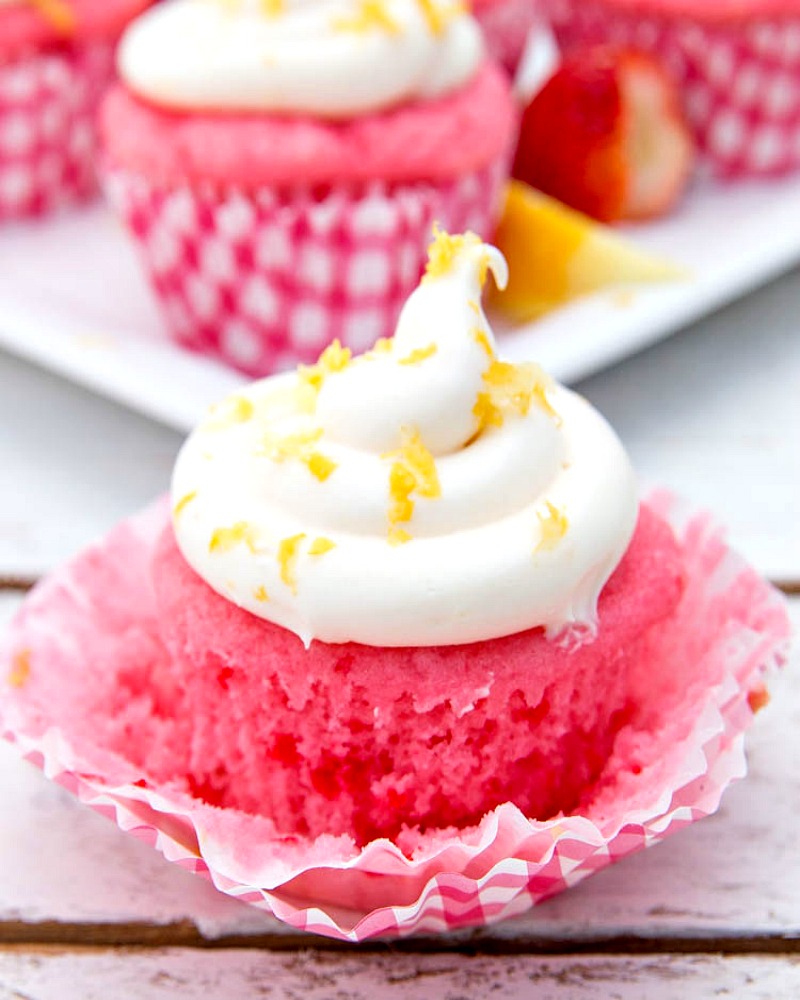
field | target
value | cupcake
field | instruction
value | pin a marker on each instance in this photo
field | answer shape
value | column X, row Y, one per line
column 281, row 164
column 404, row 651
column 56, row 60
column 506, row 25
column 737, row 61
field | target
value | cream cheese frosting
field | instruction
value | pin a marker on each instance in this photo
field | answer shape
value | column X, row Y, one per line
column 334, row 59
column 425, row 493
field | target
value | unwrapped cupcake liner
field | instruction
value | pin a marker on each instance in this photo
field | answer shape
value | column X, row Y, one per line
column 729, row 619
column 740, row 80
column 265, row 280
column 506, row 25
column 48, row 137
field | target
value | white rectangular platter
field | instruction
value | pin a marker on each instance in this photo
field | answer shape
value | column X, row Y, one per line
column 72, row 299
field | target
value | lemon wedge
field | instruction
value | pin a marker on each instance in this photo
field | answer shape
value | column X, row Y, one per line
column 556, row 254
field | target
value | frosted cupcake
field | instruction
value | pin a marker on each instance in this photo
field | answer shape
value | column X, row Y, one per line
column 738, row 63
column 56, row 60
column 281, row 164
column 404, row 651
column 506, row 25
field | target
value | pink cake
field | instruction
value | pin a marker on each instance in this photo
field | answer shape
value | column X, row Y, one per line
column 56, row 60
column 506, row 25
column 737, row 61
column 267, row 233
column 403, row 651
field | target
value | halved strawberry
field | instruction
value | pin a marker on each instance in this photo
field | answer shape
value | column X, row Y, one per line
column 607, row 135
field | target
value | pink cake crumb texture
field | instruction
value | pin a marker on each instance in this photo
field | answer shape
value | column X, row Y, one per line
column 425, row 140
column 48, row 138
column 24, row 28
column 737, row 63
column 92, row 628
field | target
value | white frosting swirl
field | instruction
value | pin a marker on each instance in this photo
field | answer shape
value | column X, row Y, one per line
column 424, row 494
column 328, row 58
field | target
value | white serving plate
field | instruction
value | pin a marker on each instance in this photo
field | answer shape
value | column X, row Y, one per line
column 73, row 300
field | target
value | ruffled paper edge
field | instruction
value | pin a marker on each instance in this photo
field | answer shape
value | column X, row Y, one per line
column 509, row 863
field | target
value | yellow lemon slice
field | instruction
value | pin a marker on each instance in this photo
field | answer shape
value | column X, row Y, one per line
column 556, row 254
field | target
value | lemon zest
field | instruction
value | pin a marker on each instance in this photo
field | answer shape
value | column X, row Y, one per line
column 288, row 553
column 183, row 503
column 320, row 546
column 553, row 526
column 260, row 594
column 444, row 249
column 241, row 533
column 371, row 15
column 20, row 669
column 419, row 355
column 413, row 471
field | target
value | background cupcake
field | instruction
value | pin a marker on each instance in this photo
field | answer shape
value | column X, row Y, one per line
column 281, row 166
column 506, row 25
column 56, row 59
column 737, row 61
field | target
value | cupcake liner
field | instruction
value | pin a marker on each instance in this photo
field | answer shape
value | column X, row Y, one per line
column 730, row 629
column 740, row 80
column 48, row 103
column 506, row 25
column 265, row 280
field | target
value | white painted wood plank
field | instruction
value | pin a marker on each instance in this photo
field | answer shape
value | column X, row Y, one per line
column 190, row 975
column 714, row 413
column 733, row 875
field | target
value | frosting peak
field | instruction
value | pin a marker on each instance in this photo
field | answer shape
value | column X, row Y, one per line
column 332, row 59
column 425, row 493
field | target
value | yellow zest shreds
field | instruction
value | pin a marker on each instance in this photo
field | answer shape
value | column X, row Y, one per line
column 511, row 389
column 320, row 546
column 444, row 249
column 20, row 669
column 260, row 594
column 553, row 525
column 241, row 533
column 413, row 471
column 272, row 8
column 371, row 15
column 58, row 13
column 383, row 345
column 300, row 446
column 486, row 413
column 231, row 411
column 320, row 466
column 183, row 503
column 482, row 339
column 288, row 552
column 437, row 15
column 398, row 536
column 334, row 358
column 419, row 355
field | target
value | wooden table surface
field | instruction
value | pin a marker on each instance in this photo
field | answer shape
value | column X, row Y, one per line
column 86, row 911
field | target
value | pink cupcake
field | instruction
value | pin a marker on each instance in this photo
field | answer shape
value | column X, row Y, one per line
column 506, row 25
column 281, row 165
column 404, row 652
column 56, row 60
column 737, row 61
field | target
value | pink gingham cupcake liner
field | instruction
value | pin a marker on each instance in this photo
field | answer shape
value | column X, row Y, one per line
column 740, row 81
column 263, row 280
column 731, row 627
column 506, row 25
column 48, row 141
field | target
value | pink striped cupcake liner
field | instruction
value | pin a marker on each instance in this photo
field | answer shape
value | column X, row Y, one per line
column 265, row 280
column 740, row 81
column 731, row 627
column 48, row 103
column 506, row 25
